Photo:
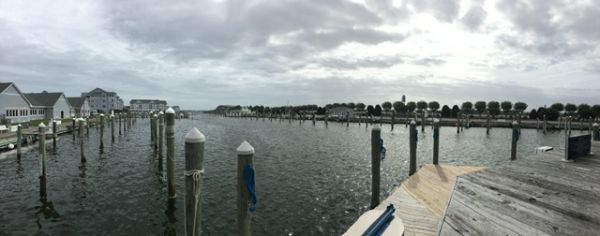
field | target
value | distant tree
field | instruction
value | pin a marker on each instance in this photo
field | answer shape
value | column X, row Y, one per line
column 377, row 110
column 328, row 106
column 558, row 106
column 570, row 109
column 584, row 111
column 344, row 105
column 421, row 105
column 433, row 106
column 335, row 104
column 446, row 111
column 520, row 107
column 480, row 106
column 541, row 112
column 321, row 111
column 533, row 114
column 467, row 107
column 455, row 111
column 351, row 105
column 506, row 107
column 387, row 106
column 494, row 108
column 360, row 106
column 596, row 111
column 399, row 107
column 551, row 114
column 370, row 110
column 411, row 106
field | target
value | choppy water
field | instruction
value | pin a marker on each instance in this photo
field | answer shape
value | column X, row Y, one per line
column 311, row 180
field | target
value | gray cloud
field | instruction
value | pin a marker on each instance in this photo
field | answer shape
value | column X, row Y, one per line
column 474, row 18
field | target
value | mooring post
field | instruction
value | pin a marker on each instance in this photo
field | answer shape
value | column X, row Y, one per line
column 170, row 115
column 101, row 133
column 596, row 134
column 590, row 125
column 43, row 164
column 81, row 142
column 19, row 140
column 245, row 182
column 515, row 138
column 423, row 121
column 375, row 165
column 457, row 124
column 152, row 128
column 112, row 128
column 156, row 123
column 413, row 148
column 537, row 124
column 545, row 124
column 314, row 119
column 326, row 119
column 73, row 128
column 161, row 137
column 487, row 125
column 54, row 134
column 436, row 140
column 120, row 121
column 194, row 156
column 393, row 118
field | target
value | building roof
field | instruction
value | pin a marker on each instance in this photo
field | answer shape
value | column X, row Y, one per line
column 76, row 101
column 99, row 91
column 43, row 99
column 4, row 86
column 148, row 101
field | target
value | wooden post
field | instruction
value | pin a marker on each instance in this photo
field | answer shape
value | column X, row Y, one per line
column 596, row 135
column 54, row 134
column 326, row 119
column 567, row 135
column 245, row 157
column 545, row 124
column 436, row 140
column 161, row 137
column 112, row 128
column 194, row 155
column 152, row 129
column 375, row 165
column 43, row 164
column 457, row 124
column 393, row 118
column 314, row 119
column 590, row 125
column 515, row 138
column 120, row 121
column 423, row 121
column 101, row 133
column 413, row 148
column 487, row 129
column 170, row 115
column 73, row 120
column 156, row 123
column 537, row 124
column 19, row 140
column 81, row 142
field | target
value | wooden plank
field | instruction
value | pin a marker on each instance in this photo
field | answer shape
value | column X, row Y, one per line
column 467, row 221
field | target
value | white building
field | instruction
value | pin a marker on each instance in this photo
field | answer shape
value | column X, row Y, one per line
column 102, row 101
column 147, row 105
column 80, row 106
column 47, row 105
column 14, row 106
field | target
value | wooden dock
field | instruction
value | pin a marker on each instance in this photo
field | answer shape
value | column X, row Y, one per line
column 536, row 195
column 422, row 198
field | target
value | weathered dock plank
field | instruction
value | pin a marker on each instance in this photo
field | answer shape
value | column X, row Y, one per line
column 537, row 195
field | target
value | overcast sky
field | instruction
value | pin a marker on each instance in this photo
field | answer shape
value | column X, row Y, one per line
column 199, row 54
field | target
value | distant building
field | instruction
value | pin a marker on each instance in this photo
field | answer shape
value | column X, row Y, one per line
column 177, row 109
column 47, row 105
column 340, row 111
column 14, row 106
column 80, row 106
column 239, row 111
column 103, row 101
column 147, row 105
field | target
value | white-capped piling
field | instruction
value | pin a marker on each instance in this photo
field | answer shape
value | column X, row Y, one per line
column 170, row 116
column 245, row 154
column 194, row 171
column 436, row 140
column 112, row 128
column 101, row 133
column 43, row 161
column 19, row 140
column 375, row 165
column 413, row 148
column 81, row 142
column 161, row 133
column 515, row 138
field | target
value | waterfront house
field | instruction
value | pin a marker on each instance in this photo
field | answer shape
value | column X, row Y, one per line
column 49, row 105
column 340, row 112
column 14, row 106
column 147, row 105
column 80, row 106
column 239, row 110
column 103, row 101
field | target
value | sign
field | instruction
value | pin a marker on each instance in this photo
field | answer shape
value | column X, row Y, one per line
column 579, row 146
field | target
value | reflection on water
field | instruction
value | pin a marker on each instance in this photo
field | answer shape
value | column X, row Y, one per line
column 310, row 179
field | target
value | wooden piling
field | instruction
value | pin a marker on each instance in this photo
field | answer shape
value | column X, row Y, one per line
column 375, row 165
column 436, row 140
column 43, row 164
column 170, row 116
column 393, row 118
column 487, row 125
column 19, row 140
column 152, row 129
column 120, row 121
column 545, row 124
column 54, row 134
column 245, row 157
column 194, row 156
column 73, row 120
column 156, row 123
column 81, row 141
column 457, row 124
column 413, row 148
column 595, row 134
column 161, row 131
column 423, row 121
column 515, row 138
column 112, row 128
column 101, row 133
